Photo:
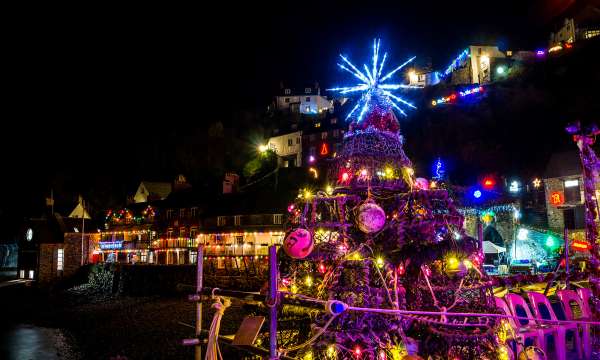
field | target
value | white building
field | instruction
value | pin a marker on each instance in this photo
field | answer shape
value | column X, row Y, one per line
column 308, row 101
column 474, row 65
column 423, row 78
column 288, row 148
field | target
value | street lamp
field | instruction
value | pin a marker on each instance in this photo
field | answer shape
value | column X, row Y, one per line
column 263, row 148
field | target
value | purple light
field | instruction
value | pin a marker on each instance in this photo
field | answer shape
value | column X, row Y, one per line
column 311, row 159
column 540, row 53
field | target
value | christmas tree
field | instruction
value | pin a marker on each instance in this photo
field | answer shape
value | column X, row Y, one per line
column 385, row 241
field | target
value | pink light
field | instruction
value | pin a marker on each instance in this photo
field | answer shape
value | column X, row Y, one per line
column 291, row 208
column 311, row 159
column 363, row 172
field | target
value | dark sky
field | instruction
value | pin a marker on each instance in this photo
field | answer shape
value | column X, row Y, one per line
column 85, row 86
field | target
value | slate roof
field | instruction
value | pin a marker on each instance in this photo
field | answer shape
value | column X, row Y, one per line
column 565, row 163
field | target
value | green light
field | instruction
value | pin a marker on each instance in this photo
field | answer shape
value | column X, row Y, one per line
column 549, row 241
column 500, row 70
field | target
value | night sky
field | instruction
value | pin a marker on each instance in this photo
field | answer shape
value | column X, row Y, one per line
column 91, row 88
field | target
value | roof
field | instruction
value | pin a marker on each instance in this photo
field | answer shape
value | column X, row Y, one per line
column 565, row 163
column 159, row 189
column 51, row 229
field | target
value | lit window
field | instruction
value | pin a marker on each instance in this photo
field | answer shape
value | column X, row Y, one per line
column 287, row 92
column 170, row 234
column 277, row 219
column 572, row 192
column 221, row 220
column 298, row 140
column 193, row 233
column 571, row 183
column 307, row 91
column 237, row 220
column 144, row 257
column 31, row 273
column 290, row 142
column 193, row 257
column 287, row 100
column 181, row 213
column 194, row 211
column 22, row 274
column 318, row 125
column 324, row 135
column 60, row 258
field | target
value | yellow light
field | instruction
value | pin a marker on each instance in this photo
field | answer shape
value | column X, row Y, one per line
column 389, row 172
column 468, row 264
column 308, row 281
column 537, row 183
column 412, row 75
column 329, row 189
column 308, row 356
column 485, row 59
column 379, row 262
column 410, row 171
column 258, row 342
column 331, row 350
column 314, row 172
column 263, row 148
column 356, row 256
column 452, row 262
column 294, row 289
column 307, row 194
column 432, row 185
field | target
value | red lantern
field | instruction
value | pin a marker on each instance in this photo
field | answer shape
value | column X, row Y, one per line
column 324, row 149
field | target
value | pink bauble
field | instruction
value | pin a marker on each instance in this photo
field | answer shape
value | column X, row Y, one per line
column 371, row 218
column 298, row 244
column 422, row 184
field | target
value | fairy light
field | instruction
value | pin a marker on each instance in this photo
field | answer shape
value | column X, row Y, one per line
column 308, row 281
column 379, row 261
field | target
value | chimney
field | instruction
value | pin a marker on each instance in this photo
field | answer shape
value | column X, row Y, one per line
column 180, row 183
column 230, row 183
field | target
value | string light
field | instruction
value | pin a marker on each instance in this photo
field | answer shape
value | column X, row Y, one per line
column 379, row 261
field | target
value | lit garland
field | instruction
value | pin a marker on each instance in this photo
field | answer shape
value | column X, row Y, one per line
column 452, row 97
column 456, row 62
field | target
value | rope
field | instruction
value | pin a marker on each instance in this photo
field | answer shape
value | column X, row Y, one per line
column 212, row 349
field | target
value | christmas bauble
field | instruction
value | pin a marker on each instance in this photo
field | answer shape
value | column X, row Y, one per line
column 298, row 244
column 422, row 184
column 371, row 218
column 532, row 353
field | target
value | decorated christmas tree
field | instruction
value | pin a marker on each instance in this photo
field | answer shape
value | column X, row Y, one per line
column 385, row 245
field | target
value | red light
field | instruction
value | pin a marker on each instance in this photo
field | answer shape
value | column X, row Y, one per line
column 322, row 269
column 453, row 97
column 357, row 351
column 324, row 149
column 557, row 198
column 580, row 246
column 568, row 45
column 489, row 183
column 401, row 269
column 344, row 177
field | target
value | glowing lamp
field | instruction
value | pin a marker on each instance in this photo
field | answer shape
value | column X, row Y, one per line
column 489, row 183
column 477, row 194
column 514, row 187
column 379, row 262
column 330, row 350
column 263, row 148
column 549, row 241
column 452, row 263
column 308, row 281
column 500, row 70
column 363, row 172
column 540, row 53
column 311, row 159
column 324, row 149
column 537, row 183
column 357, row 351
column 329, row 189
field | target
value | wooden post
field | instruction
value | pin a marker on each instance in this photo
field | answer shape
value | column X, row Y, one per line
column 272, row 302
column 566, row 235
column 480, row 237
column 200, row 262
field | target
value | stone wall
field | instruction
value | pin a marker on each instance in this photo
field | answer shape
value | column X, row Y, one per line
column 48, row 261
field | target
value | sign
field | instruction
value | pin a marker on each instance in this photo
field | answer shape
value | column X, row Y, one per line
column 557, row 198
column 111, row 245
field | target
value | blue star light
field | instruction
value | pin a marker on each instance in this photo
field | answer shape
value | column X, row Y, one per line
column 372, row 85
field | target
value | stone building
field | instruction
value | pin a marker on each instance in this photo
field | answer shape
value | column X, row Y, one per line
column 54, row 247
column 563, row 185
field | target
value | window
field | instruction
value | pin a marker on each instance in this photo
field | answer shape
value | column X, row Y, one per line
column 307, row 91
column 290, row 142
column 336, row 133
column 239, row 240
column 287, row 100
column 31, row 273
column 194, row 212
column 221, row 221
column 181, row 213
column 307, row 109
column 237, row 220
column 22, row 274
column 60, row 258
column 572, row 192
column 169, row 214
column 333, row 120
column 318, row 125
column 193, row 233
column 308, row 99
column 182, row 232
column 144, row 257
column 170, row 234
column 287, row 92
column 277, row 219
column 298, row 140
column 193, row 257
column 312, row 151
column 324, row 135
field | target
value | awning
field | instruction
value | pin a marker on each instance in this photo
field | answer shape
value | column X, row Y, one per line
column 491, row 248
